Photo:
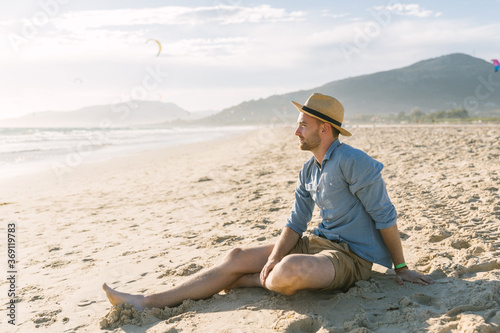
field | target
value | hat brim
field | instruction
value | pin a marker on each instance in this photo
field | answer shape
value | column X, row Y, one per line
column 342, row 131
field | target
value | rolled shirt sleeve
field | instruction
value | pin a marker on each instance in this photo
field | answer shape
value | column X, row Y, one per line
column 363, row 175
column 303, row 206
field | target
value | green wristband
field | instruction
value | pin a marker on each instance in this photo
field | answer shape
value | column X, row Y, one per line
column 400, row 266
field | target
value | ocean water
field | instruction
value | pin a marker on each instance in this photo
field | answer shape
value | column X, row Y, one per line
column 27, row 150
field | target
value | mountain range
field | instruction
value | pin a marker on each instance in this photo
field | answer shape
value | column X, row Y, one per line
column 455, row 81
column 132, row 113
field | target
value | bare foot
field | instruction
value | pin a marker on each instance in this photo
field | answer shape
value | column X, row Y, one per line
column 116, row 298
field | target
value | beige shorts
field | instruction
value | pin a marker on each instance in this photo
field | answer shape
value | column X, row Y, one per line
column 349, row 267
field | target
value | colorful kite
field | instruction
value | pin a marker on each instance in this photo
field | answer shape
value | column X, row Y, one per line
column 159, row 45
column 496, row 64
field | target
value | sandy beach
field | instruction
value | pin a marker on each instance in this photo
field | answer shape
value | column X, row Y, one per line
column 144, row 223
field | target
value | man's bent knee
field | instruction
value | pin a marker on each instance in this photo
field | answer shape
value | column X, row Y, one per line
column 298, row 272
column 246, row 260
column 285, row 277
column 232, row 254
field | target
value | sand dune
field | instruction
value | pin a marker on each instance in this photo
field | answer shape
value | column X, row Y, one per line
column 143, row 223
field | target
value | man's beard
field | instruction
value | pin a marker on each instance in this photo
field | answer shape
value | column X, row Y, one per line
column 310, row 143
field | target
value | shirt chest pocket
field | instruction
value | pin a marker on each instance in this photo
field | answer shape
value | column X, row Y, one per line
column 329, row 193
column 333, row 187
column 312, row 188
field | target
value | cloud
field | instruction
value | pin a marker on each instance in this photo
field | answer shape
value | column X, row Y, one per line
column 207, row 47
column 326, row 13
column 167, row 15
column 206, row 31
column 409, row 10
column 351, row 48
column 174, row 15
column 258, row 14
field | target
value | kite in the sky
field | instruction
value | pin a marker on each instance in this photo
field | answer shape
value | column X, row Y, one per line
column 159, row 45
column 496, row 64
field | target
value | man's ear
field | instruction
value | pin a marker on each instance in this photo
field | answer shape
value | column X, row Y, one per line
column 325, row 128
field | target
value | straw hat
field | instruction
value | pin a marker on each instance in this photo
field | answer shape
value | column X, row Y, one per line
column 324, row 108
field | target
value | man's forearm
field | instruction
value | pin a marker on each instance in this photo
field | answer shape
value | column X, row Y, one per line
column 286, row 242
column 393, row 243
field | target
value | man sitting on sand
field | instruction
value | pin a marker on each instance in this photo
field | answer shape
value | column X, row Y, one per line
column 358, row 225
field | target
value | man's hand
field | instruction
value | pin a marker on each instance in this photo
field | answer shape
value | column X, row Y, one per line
column 286, row 242
column 412, row 276
column 268, row 267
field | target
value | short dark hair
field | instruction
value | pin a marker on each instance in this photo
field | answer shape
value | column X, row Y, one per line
column 335, row 132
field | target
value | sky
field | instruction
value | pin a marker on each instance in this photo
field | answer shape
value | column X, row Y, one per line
column 66, row 54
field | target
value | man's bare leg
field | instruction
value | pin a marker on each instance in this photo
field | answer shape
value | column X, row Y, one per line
column 301, row 272
column 236, row 263
column 247, row 280
column 295, row 272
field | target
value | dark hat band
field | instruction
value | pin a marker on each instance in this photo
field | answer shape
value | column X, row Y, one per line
column 321, row 116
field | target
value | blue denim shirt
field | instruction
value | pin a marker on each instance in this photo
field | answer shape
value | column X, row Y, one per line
column 351, row 195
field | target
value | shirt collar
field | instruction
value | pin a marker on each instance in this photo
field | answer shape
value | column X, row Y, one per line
column 329, row 152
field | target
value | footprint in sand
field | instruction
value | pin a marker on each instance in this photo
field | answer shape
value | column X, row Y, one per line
column 45, row 318
column 301, row 324
column 466, row 322
column 481, row 267
column 182, row 270
column 426, row 300
column 438, row 235
column 460, row 244
column 85, row 302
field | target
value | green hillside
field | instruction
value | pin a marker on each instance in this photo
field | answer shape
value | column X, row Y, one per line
column 455, row 81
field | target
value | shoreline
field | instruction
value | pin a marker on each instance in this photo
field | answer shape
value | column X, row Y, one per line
column 61, row 149
column 146, row 222
column 52, row 177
